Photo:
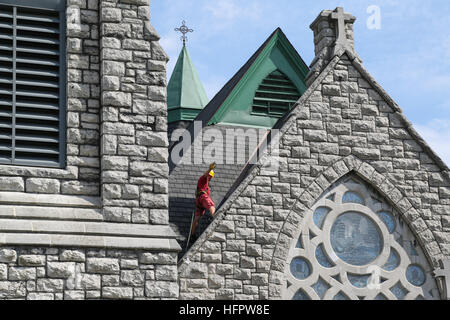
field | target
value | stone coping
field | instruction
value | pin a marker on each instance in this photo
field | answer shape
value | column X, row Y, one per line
column 50, row 213
column 86, row 228
column 85, row 241
column 87, row 234
column 53, row 200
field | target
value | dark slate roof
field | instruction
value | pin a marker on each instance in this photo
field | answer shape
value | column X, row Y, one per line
column 182, row 125
column 183, row 183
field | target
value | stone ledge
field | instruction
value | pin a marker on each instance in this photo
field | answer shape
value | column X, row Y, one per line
column 50, row 213
column 51, row 200
column 85, row 228
column 85, row 241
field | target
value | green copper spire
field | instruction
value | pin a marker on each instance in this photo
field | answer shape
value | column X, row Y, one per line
column 186, row 96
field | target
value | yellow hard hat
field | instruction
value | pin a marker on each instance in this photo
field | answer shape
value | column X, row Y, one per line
column 211, row 173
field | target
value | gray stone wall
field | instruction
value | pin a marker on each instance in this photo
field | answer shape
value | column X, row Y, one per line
column 134, row 154
column 345, row 122
column 117, row 153
column 74, row 274
column 116, row 115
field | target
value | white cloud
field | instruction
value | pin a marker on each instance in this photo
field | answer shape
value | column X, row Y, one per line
column 437, row 134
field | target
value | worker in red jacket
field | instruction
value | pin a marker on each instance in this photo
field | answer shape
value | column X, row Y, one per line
column 203, row 199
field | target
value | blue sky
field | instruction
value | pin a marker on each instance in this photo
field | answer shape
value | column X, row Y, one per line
column 409, row 55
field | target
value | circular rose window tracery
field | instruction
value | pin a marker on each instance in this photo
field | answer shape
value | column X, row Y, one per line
column 353, row 245
column 355, row 239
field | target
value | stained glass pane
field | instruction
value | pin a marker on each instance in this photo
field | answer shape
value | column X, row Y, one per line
column 337, row 278
column 412, row 249
column 300, row 268
column 415, row 275
column 340, row 296
column 301, row 295
column 399, row 291
column 321, row 287
column 356, row 239
column 352, row 197
column 380, row 297
column 393, row 261
column 319, row 216
column 388, row 220
column 375, row 201
column 322, row 258
column 299, row 243
column 358, row 281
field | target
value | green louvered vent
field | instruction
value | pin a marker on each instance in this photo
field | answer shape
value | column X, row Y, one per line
column 275, row 96
column 31, row 86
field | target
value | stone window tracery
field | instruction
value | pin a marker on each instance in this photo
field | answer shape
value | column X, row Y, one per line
column 353, row 245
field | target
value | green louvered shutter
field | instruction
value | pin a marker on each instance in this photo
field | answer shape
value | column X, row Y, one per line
column 32, row 86
column 275, row 96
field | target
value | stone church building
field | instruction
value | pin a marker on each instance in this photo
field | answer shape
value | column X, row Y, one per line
column 335, row 196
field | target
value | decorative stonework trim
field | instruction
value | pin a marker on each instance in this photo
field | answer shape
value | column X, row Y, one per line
column 444, row 272
column 321, row 234
column 343, row 167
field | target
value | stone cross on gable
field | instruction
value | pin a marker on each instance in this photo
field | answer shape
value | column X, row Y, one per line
column 444, row 273
column 341, row 17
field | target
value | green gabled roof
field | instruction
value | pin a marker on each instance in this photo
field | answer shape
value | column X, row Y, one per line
column 233, row 105
column 186, row 96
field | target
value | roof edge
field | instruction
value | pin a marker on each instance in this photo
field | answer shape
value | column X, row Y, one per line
column 399, row 112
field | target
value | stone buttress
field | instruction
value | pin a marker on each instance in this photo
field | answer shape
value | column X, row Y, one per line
column 98, row 228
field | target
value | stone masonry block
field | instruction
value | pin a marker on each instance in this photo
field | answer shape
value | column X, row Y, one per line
column 103, row 265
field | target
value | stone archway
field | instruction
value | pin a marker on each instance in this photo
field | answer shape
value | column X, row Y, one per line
column 308, row 202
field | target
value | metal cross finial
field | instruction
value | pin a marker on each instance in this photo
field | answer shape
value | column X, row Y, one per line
column 184, row 30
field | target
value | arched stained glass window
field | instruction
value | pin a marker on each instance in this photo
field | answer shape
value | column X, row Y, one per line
column 361, row 249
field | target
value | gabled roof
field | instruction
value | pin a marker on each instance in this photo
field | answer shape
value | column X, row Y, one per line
column 250, row 171
column 276, row 53
column 183, row 177
column 234, row 104
column 186, row 96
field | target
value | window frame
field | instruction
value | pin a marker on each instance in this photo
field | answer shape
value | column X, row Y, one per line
column 312, row 241
column 54, row 6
